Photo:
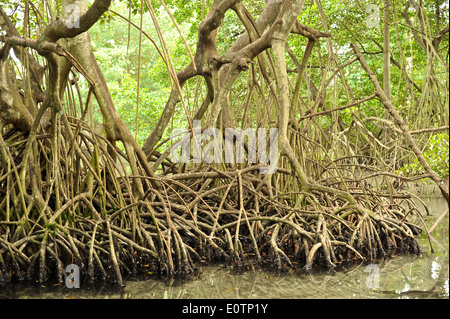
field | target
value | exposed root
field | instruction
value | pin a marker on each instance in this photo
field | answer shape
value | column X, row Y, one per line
column 87, row 211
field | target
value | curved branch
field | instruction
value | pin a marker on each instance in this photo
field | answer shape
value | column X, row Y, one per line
column 61, row 29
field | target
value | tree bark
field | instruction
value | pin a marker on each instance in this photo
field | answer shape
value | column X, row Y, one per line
column 12, row 109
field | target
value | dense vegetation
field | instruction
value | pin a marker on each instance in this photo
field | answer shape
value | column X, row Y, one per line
column 358, row 91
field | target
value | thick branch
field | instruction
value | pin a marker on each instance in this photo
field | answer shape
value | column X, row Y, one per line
column 61, row 29
column 36, row 70
column 308, row 32
column 12, row 109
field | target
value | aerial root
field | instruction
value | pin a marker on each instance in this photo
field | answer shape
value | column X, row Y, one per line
column 110, row 229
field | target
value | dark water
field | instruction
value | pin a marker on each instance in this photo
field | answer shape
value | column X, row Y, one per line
column 410, row 276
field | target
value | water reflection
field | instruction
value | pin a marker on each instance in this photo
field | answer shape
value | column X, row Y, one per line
column 424, row 276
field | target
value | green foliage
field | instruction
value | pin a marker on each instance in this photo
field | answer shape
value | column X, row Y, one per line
column 436, row 154
column 124, row 96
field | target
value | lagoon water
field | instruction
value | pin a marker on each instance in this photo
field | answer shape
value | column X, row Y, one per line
column 402, row 276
